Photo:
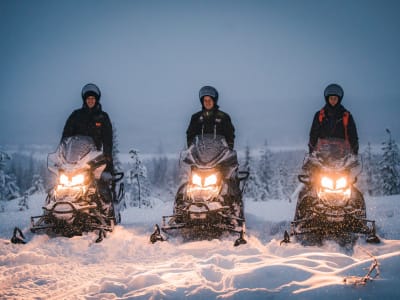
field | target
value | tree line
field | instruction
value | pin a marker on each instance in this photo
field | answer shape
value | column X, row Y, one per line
column 273, row 174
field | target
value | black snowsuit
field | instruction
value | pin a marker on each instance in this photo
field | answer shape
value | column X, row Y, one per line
column 332, row 126
column 211, row 122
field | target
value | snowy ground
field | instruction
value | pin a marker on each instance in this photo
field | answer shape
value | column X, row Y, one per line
column 127, row 266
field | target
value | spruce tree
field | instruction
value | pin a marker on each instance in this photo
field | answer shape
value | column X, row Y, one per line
column 115, row 151
column 390, row 167
column 138, row 187
column 9, row 188
column 370, row 174
column 265, row 173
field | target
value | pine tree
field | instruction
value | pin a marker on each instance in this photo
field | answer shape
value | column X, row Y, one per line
column 265, row 173
column 390, row 167
column 37, row 185
column 159, row 169
column 253, row 184
column 115, row 151
column 138, row 187
column 9, row 188
column 370, row 172
column 247, row 158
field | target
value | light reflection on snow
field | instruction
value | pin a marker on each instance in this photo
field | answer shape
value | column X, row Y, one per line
column 127, row 266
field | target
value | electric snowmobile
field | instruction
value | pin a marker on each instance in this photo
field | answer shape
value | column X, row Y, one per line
column 77, row 203
column 329, row 205
column 209, row 202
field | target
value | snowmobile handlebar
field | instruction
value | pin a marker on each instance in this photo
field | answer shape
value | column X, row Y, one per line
column 243, row 175
column 118, row 176
column 304, row 178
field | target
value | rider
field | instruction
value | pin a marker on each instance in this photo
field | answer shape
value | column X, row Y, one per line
column 210, row 120
column 91, row 120
column 331, row 121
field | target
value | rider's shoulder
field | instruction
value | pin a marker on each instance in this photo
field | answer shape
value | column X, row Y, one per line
column 197, row 114
column 223, row 115
column 77, row 112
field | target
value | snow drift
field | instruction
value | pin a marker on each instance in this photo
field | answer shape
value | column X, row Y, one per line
column 127, row 266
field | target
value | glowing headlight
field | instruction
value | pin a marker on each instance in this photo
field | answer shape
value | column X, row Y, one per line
column 327, row 183
column 75, row 180
column 64, row 179
column 341, row 183
column 196, row 179
column 210, row 180
column 78, row 179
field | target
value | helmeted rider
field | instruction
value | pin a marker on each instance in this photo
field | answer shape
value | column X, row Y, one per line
column 210, row 120
column 332, row 120
column 91, row 120
column 328, row 123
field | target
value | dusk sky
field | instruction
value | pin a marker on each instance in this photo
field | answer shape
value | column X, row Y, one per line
column 269, row 60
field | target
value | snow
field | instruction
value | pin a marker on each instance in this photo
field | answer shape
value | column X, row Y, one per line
column 126, row 265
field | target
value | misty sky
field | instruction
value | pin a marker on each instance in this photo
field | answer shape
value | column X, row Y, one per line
column 269, row 60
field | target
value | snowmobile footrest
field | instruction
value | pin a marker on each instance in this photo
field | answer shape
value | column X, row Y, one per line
column 102, row 234
column 18, row 237
column 241, row 240
column 286, row 238
column 156, row 235
column 373, row 239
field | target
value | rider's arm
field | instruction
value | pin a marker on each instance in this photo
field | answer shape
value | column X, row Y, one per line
column 192, row 130
column 314, row 133
column 69, row 127
column 353, row 136
column 107, row 137
column 229, row 131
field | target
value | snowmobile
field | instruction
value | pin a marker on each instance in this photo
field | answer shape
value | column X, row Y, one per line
column 75, row 205
column 209, row 201
column 330, row 206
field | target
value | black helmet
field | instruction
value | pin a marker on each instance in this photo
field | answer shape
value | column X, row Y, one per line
column 91, row 90
column 208, row 91
column 333, row 90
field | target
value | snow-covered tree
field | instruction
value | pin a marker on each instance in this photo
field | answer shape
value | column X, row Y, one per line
column 138, row 186
column 23, row 202
column 37, row 185
column 265, row 173
column 159, row 168
column 9, row 188
column 369, row 179
column 253, row 184
column 115, row 151
column 247, row 158
column 280, row 182
column 390, row 167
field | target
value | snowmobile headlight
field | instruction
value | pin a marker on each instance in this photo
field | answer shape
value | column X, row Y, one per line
column 341, row 183
column 210, row 180
column 327, row 183
column 196, row 179
column 75, row 180
column 64, row 179
column 78, row 179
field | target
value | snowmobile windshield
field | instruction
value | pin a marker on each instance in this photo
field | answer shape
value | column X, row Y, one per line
column 334, row 152
column 209, row 151
column 74, row 148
